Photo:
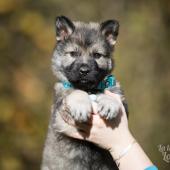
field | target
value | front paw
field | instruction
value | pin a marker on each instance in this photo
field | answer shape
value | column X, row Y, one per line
column 79, row 105
column 108, row 107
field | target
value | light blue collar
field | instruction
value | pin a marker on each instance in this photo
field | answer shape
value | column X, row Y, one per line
column 108, row 82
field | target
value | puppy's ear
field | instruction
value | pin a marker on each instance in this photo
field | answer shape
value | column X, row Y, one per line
column 110, row 30
column 64, row 28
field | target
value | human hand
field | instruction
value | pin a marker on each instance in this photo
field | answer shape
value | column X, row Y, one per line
column 108, row 134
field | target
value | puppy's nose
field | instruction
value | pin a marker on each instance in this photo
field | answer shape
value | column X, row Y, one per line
column 84, row 70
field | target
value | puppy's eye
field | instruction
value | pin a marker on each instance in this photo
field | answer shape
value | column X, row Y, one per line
column 97, row 55
column 74, row 53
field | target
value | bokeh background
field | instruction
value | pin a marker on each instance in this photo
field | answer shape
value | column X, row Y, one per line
column 27, row 38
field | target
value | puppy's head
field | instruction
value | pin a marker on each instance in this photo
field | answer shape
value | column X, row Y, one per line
column 83, row 53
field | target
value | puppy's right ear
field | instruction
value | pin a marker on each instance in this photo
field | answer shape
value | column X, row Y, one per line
column 64, row 28
column 110, row 30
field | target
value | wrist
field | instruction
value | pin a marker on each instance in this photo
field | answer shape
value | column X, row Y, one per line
column 125, row 140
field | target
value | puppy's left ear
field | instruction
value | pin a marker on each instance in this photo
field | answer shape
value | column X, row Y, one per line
column 110, row 30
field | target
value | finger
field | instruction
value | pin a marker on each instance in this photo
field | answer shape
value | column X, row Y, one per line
column 84, row 126
column 67, row 118
column 94, row 107
column 77, row 135
column 107, row 92
column 95, row 121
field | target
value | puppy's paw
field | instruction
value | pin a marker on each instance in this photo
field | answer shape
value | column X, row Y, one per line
column 79, row 105
column 108, row 107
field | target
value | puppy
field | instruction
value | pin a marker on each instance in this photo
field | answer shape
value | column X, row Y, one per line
column 82, row 61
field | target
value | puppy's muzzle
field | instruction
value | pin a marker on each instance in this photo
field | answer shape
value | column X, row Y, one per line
column 84, row 70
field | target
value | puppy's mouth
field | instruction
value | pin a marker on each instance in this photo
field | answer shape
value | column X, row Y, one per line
column 84, row 81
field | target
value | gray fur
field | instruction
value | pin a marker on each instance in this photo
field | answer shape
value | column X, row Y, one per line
column 82, row 56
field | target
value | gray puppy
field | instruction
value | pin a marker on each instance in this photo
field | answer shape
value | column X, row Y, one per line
column 82, row 62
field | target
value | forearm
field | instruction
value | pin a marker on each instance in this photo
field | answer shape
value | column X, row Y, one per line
column 134, row 158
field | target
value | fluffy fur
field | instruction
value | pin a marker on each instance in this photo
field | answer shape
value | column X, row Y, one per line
column 83, row 57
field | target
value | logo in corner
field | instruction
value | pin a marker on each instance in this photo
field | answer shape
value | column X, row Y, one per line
column 165, row 150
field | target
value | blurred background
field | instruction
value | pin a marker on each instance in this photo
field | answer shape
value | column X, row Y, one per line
column 27, row 38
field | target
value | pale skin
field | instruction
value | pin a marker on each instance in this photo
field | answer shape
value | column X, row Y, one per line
column 112, row 135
